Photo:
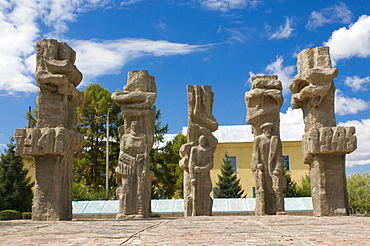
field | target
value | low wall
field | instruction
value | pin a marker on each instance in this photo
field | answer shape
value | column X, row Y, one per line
column 175, row 207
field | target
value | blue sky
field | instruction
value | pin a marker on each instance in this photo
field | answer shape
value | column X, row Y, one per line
column 207, row 42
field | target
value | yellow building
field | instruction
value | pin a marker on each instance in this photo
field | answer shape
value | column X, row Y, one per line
column 237, row 142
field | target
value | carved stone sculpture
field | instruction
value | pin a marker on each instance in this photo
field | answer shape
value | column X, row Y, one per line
column 324, row 144
column 197, row 154
column 133, row 176
column 263, row 103
column 53, row 141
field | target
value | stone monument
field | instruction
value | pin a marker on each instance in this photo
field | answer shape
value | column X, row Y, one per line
column 54, row 141
column 263, row 103
column 324, row 144
column 197, row 154
column 133, row 176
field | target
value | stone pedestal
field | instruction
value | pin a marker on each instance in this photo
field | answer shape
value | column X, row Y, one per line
column 324, row 144
column 133, row 175
column 197, row 154
column 53, row 141
column 263, row 103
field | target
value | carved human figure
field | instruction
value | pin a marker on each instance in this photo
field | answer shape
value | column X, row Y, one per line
column 130, row 170
column 197, row 154
column 263, row 104
column 133, row 175
column 200, row 165
column 267, row 166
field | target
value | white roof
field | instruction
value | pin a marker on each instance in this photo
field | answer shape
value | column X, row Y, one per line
column 166, row 138
column 243, row 133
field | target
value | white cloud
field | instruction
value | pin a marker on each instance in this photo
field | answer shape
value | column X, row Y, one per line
column 356, row 83
column 237, row 34
column 219, row 29
column 96, row 58
column 285, row 74
column 285, row 31
column 353, row 41
column 128, row 2
column 226, row 5
column 335, row 13
column 161, row 26
column 361, row 156
column 291, row 125
column 16, row 44
column 20, row 29
column 348, row 105
column 292, row 116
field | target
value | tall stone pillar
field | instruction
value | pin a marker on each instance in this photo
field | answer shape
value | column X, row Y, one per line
column 197, row 154
column 263, row 103
column 54, row 140
column 324, row 144
column 133, row 176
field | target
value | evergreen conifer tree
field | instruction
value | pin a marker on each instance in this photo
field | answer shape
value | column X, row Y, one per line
column 15, row 186
column 89, row 162
column 291, row 188
column 228, row 185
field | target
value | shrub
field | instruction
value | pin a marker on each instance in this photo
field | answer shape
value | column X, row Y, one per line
column 358, row 186
column 15, row 186
column 10, row 215
column 82, row 192
column 26, row 215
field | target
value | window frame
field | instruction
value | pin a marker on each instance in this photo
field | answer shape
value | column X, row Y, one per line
column 235, row 166
column 287, row 158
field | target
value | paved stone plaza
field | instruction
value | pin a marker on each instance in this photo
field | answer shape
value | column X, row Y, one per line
column 215, row 230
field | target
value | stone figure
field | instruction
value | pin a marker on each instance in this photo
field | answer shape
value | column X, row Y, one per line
column 197, row 154
column 54, row 140
column 200, row 165
column 263, row 103
column 129, row 172
column 133, row 175
column 267, row 166
column 324, row 144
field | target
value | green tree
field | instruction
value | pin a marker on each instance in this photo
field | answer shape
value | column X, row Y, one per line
column 31, row 117
column 304, row 190
column 358, row 186
column 89, row 163
column 168, row 176
column 159, row 130
column 15, row 186
column 228, row 185
column 82, row 192
column 291, row 188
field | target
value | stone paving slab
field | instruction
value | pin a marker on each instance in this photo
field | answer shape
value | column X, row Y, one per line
column 213, row 230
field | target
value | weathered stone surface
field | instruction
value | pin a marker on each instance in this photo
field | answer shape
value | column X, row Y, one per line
column 197, row 154
column 133, row 175
column 44, row 141
column 263, row 103
column 57, row 78
column 53, row 141
column 324, row 144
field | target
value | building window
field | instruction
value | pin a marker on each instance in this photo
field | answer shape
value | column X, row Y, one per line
column 254, row 192
column 286, row 162
column 232, row 160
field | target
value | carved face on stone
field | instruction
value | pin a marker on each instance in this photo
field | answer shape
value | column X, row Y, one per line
column 202, row 140
column 266, row 129
column 134, row 127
